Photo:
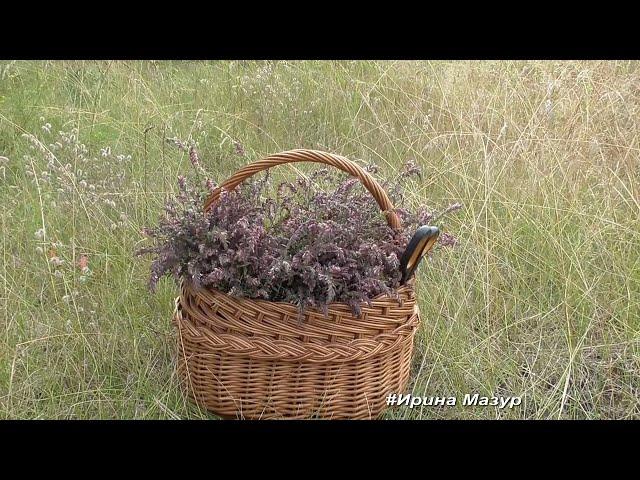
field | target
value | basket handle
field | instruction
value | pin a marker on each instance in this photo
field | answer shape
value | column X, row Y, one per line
column 303, row 155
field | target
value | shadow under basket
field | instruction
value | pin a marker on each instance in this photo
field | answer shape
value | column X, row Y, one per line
column 245, row 358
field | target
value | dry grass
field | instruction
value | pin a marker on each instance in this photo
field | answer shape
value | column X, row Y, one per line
column 541, row 298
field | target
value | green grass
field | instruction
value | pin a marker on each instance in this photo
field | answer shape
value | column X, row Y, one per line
column 540, row 299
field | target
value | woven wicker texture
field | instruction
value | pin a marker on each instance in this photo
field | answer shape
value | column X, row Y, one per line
column 245, row 358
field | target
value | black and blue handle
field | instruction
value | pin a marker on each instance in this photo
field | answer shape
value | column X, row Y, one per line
column 421, row 242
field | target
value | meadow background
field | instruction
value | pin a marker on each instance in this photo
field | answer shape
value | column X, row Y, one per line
column 540, row 298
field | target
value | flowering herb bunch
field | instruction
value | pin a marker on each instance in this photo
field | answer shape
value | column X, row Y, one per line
column 317, row 240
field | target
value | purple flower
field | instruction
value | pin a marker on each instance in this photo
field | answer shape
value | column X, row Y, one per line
column 239, row 149
column 454, row 207
column 193, row 156
column 447, row 240
column 411, row 168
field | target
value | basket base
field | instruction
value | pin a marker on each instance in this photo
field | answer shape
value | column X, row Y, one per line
column 270, row 416
column 294, row 390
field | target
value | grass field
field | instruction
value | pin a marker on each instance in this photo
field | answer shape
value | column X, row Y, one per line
column 541, row 298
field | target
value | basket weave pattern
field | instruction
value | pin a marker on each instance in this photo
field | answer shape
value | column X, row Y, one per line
column 246, row 358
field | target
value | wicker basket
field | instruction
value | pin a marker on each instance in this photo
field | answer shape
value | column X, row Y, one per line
column 245, row 358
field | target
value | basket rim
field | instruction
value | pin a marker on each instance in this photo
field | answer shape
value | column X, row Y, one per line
column 408, row 288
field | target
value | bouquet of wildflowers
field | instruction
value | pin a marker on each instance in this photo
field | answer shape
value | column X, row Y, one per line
column 317, row 240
